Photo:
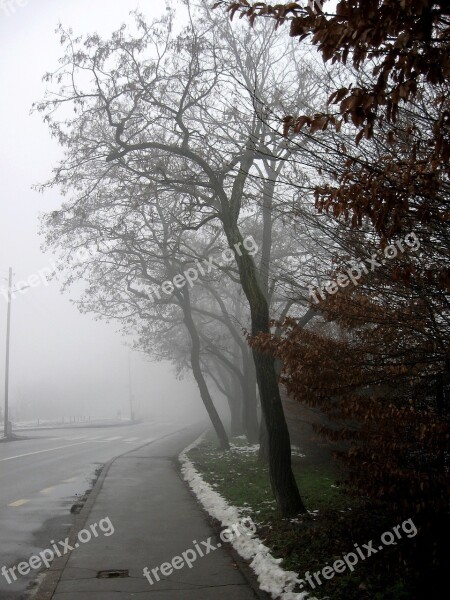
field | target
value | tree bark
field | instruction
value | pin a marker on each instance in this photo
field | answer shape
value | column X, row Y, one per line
column 282, row 479
column 263, row 454
column 236, row 416
column 232, row 390
column 198, row 374
column 250, row 404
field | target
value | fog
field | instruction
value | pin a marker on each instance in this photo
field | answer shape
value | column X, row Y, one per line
column 63, row 363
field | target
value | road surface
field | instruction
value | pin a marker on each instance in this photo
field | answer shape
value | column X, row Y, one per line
column 41, row 478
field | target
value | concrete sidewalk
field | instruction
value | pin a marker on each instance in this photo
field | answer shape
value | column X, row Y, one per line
column 155, row 518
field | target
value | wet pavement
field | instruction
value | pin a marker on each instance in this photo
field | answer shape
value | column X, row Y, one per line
column 43, row 476
column 157, row 524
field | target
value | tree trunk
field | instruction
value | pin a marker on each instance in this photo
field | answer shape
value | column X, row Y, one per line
column 236, row 416
column 198, row 374
column 263, row 454
column 280, row 468
column 233, row 393
column 282, row 479
column 250, row 404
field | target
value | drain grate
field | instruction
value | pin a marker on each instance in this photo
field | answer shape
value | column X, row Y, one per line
column 75, row 509
column 113, row 574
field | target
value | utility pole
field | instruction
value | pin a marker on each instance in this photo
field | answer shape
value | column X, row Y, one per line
column 130, row 387
column 8, row 335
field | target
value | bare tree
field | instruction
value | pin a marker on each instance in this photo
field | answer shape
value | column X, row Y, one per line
column 193, row 115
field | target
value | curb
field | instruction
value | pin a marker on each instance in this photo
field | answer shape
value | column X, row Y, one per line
column 254, row 555
column 11, row 438
column 47, row 587
column 244, row 568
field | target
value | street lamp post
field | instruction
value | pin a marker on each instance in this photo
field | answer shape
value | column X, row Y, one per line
column 8, row 335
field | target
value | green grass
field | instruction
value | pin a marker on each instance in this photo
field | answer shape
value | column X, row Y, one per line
column 244, row 481
column 336, row 520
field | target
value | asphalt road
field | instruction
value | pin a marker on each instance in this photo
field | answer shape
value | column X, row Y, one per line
column 42, row 477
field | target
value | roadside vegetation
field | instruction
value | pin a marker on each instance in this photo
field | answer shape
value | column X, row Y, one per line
column 270, row 205
column 336, row 521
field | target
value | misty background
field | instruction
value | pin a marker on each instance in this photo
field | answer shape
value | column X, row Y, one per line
column 63, row 363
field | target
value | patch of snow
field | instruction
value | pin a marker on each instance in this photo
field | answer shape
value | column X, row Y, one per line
column 253, row 449
column 295, row 451
column 271, row 577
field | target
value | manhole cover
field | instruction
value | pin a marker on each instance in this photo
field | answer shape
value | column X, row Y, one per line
column 113, row 574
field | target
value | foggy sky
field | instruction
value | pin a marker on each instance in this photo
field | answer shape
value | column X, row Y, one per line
column 61, row 361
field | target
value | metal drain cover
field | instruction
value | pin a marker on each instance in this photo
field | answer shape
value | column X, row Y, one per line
column 75, row 509
column 113, row 574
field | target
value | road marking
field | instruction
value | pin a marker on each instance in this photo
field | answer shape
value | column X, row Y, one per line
column 47, row 490
column 70, row 480
column 18, row 503
column 79, row 437
column 148, row 441
column 41, row 451
column 131, row 439
column 112, row 439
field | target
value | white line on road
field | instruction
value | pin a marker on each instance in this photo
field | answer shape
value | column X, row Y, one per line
column 112, row 439
column 47, row 490
column 131, row 439
column 18, row 503
column 41, row 451
column 148, row 441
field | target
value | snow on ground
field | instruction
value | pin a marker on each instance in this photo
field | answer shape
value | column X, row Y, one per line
column 271, row 577
column 253, row 449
